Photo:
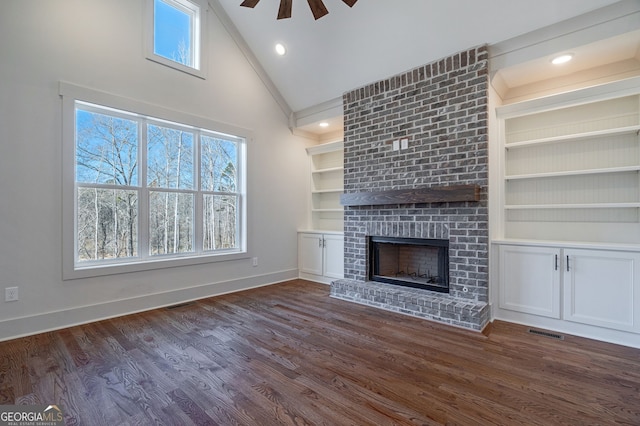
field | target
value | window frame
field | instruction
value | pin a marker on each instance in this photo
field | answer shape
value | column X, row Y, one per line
column 72, row 269
column 198, row 37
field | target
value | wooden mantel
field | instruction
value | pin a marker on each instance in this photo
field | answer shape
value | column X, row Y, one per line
column 439, row 194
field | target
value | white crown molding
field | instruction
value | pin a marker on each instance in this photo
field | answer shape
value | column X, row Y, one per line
column 609, row 21
column 323, row 111
column 250, row 56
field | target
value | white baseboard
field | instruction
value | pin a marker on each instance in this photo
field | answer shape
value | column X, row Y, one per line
column 316, row 278
column 49, row 321
column 602, row 334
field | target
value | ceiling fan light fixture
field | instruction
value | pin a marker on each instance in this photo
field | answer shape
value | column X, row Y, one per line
column 280, row 49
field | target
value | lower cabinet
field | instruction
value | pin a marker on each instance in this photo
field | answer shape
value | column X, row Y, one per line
column 595, row 287
column 602, row 288
column 321, row 256
column 530, row 280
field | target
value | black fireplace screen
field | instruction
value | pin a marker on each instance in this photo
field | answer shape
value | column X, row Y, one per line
column 411, row 262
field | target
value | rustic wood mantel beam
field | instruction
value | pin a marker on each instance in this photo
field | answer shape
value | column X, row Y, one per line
column 441, row 194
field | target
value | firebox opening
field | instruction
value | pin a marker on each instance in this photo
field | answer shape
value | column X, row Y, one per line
column 411, row 262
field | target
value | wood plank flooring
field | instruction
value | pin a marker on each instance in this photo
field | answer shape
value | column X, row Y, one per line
column 289, row 354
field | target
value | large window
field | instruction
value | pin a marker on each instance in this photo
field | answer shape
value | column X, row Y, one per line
column 175, row 34
column 147, row 190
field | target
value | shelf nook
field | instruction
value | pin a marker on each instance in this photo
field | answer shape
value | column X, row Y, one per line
column 572, row 173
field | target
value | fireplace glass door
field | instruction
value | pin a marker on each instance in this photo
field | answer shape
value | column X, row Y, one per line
column 411, row 262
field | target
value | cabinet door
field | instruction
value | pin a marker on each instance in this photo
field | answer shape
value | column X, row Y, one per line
column 530, row 280
column 334, row 256
column 310, row 253
column 601, row 288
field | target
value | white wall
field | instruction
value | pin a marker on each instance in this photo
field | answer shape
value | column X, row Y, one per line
column 99, row 44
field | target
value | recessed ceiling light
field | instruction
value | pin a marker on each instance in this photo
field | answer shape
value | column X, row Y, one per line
column 562, row 59
column 280, row 49
column 324, row 124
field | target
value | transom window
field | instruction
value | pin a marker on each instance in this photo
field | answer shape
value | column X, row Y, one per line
column 175, row 34
column 147, row 190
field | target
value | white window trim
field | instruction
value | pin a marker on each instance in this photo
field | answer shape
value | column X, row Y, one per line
column 70, row 94
column 199, row 40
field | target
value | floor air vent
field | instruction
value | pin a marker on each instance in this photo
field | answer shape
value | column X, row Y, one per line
column 546, row 334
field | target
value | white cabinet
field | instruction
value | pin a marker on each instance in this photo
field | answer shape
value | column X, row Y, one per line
column 310, row 254
column 321, row 256
column 566, row 212
column 333, row 256
column 597, row 287
column 326, row 163
column 530, row 280
column 321, row 247
column 602, row 288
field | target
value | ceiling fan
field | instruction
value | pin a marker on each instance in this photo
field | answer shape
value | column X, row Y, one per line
column 317, row 7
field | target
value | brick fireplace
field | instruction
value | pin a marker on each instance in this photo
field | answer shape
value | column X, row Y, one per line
column 440, row 109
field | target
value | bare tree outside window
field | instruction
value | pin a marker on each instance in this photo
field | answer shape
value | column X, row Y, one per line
column 185, row 169
column 170, row 166
column 174, row 29
column 106, row 160
column 219, row 178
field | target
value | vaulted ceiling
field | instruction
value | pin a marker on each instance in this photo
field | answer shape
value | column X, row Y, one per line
column 354, row 46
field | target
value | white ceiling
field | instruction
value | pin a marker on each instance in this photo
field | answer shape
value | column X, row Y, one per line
column 352, row 47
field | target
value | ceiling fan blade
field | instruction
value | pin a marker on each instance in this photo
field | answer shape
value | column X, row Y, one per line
column 317, row 8
column 249, row 3
column 350, row 3
column 285, row 9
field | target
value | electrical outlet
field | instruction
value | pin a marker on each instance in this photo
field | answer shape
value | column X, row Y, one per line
column 254, row 261
column 11, row 294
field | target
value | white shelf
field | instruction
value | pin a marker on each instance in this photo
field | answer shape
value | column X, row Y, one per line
column 326, row 167
column 575, row 172
column 564, row 244
column 328, row 191
column 571, row 206
column 328, row 170
column 325, row 148
column 574, row 137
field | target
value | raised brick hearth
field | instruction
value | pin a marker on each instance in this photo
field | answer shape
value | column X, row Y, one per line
column 442, row 109
column 418, row 303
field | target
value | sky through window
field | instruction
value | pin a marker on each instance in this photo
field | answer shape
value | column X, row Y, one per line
column 172, row 32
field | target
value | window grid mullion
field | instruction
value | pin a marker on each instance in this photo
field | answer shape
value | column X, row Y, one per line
column 143, row 202
column 198, row 223
column 106, row 186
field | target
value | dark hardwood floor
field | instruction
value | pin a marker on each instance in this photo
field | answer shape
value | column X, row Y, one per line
column 289, row 354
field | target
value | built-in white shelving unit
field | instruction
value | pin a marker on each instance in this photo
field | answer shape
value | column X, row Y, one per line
column 568, row 239
column 572, row 173
column 327, row 174
column 321, row 245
